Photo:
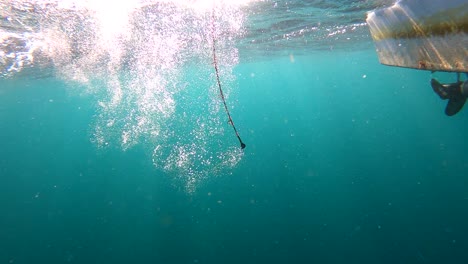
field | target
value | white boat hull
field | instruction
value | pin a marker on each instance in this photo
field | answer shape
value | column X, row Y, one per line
column 422, row 34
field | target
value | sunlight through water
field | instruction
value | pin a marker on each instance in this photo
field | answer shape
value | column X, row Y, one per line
column 149, row 67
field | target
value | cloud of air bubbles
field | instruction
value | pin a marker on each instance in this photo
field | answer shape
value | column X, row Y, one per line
column 149, row 66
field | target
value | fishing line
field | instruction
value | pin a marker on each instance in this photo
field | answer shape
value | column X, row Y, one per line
column 215, row 63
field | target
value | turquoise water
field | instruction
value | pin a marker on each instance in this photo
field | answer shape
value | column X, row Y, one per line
column 347, row 161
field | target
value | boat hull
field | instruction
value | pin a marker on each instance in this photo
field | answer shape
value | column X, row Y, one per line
column 422, row 34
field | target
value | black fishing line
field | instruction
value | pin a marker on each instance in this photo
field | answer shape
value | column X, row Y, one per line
column 215, row 63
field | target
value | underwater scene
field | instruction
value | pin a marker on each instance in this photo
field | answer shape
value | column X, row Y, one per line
column 202, row 131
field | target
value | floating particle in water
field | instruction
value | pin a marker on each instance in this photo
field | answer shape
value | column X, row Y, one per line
column 291, row 58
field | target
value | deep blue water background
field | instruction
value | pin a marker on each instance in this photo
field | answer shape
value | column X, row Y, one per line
column 347, row 161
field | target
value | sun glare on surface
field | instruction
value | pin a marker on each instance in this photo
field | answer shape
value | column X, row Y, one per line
column 136, row 60
column 203, row 5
